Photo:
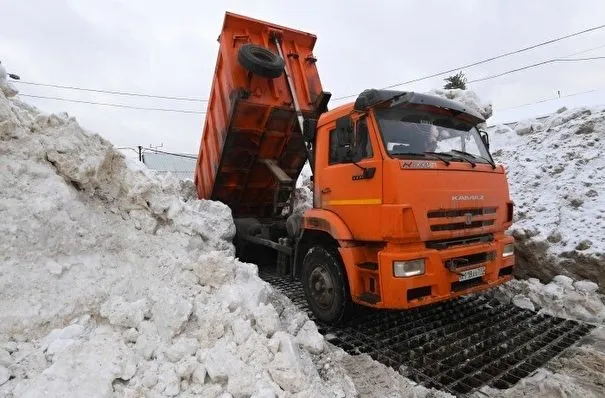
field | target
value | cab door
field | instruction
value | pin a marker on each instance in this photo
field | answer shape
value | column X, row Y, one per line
column 352, row 190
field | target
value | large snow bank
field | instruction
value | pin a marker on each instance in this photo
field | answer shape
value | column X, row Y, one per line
column 556, row 171
column 118, row 283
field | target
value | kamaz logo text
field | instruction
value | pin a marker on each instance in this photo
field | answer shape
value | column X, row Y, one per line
column 417, row 164
column 467, row 197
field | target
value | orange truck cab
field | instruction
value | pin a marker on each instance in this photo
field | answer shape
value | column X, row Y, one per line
column 409, row 207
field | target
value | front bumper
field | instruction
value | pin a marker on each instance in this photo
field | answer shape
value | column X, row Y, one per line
column 438, row 283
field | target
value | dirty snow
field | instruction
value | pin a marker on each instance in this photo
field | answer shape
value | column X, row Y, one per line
column 562, row 297
column 116, row 282
column 556, row 170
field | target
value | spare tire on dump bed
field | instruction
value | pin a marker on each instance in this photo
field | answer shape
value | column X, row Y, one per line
column 260, row 61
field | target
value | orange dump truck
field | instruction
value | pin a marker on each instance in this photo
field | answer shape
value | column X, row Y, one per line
column 409, row 207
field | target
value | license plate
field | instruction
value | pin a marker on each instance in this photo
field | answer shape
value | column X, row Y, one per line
column 471, row 274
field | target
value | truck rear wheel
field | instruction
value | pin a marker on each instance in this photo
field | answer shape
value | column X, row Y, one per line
column 325, row 285
column 260, row 61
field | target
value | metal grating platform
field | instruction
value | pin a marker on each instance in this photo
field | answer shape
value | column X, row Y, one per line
column 458, row 346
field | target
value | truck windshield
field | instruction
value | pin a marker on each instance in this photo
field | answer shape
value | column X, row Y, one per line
column 417, row 131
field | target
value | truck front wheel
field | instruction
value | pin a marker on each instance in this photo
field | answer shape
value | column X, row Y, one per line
column 325, row 284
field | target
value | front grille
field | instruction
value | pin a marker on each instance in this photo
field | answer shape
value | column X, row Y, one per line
column 471, row 259
column 461, row 219
column 443, row 244
column 481, row 211
column 461, row 225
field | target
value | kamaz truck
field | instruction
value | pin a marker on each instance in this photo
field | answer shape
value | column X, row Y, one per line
column 409, row 207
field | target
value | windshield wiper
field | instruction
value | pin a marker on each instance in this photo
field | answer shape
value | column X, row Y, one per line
column 464, row 157
column 439, row 156
column 475, row 157
column 425, row 154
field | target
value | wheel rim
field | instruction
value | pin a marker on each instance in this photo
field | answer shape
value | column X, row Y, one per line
column 321, row 287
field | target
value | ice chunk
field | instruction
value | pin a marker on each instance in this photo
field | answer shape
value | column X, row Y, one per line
column 214, row 270
column 183, row 347
column 89, row 368
column 4, row 375
column 563, row 281
column 5, row 358
column 267, row 320
column 310, row 338
column 586, row 286
column 122, row 313
column 170, row 313
column 523, row 302
column 168, row 381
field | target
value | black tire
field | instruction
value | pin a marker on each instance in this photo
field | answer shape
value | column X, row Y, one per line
column 260, row 61
column 325, row 285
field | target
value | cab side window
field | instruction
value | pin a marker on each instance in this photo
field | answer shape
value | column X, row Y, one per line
column 333, row 159
column 340, row 152
column 363, row 139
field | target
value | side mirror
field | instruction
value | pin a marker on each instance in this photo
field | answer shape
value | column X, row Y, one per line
column 484, row 138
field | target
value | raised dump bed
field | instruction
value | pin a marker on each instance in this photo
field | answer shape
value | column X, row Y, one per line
column 252, row 149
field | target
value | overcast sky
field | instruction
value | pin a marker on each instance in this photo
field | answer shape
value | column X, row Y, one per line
column 169, row 48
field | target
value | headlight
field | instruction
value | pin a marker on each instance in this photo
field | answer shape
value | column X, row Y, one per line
column 408, row 268
column 509, row 250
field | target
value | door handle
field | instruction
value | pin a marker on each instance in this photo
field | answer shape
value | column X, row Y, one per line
column 326, row 190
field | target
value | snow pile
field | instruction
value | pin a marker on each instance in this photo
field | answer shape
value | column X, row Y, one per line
column 466, row 97
column 118, row 283
column 556, row 172
column 562, row 297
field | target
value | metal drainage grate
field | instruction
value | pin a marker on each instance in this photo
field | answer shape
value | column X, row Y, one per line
column 458, row 346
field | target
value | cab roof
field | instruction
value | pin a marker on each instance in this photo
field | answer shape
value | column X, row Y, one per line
column 372, row 97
